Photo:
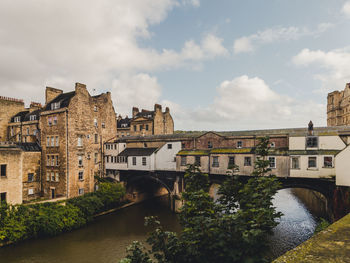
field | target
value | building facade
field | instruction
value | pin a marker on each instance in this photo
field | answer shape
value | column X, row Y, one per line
column 338, row 107
column 146, row 122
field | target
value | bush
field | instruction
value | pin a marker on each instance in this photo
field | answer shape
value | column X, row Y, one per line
column 49, row 219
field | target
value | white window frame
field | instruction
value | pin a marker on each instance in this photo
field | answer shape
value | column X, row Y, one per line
column 328, row 156
column 291, row 162
column 308, row 162
column 144, row 161
column 239, row 144
column 30, row 191
column 32, row 117
column 134, row 161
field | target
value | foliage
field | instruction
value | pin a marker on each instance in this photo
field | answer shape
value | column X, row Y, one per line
column 322, row 225
column 232, row 229
column 49, row 219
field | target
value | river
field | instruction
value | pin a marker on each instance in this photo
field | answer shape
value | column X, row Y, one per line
column 105, row 239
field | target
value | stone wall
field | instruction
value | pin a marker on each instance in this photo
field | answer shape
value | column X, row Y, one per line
column 8, row 108
column 31, row 165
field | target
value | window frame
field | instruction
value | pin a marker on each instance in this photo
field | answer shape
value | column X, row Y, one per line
column 183, row 161
column 134, row 161
column 197, row 160
column 246, row 162
column 3, row 170
column 308, row 162
column 298, row 159
column 215, row 162
column 239, row 144
column 144, row 161
column 314, row 142
column 170, row 146
column 332, row 163
column 81, row 175
column 270, row 158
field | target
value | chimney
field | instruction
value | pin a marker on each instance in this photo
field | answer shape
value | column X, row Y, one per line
column 80, row 88
column 51, row 93
column 119, row 117
column 167, row 110
column 157, row 107
column 135, row 111
column 311, row 128
column 34, row 106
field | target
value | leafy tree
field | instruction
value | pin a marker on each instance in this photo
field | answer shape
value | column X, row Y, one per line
column 232, row 229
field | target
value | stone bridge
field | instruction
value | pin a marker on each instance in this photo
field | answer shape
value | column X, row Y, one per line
column 172, row 183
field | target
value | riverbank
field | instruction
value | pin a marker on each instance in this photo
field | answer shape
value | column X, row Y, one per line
column 24, row 222
column 330, row 245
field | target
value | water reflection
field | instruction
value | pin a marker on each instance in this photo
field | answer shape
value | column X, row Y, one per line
column 105, row 240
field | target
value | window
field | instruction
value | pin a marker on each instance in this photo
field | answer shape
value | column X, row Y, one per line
column 95, row 108
column 135, row 127
column 12, row 131
column 295, row 163
column 55, row 105
column 30, row 191
column 54, row 119
column 210, row 144
column 17, row 119
column 146, row 127
column 328, row 161
column 183, row 145
column 312, row 162
column 81, row 176
column 239, row 144
column 32, row 117
column 144, row 162
column 47, row 176
column 312, row 141
column 80, row 160
column 272, row 161
column 30, row 177
column 272, row 144
column 215, row 161
column 52, row 141
column 103, row 125
column 52, row 176
column 27, row 131
column 81, row 191
column 3, row 197
column 57, row 141
column 145, row 145
column 95, row 123
column 48, row 141
column 56, row 157
column 49, row 121
column 80, row 140
column 3, row 170
column 141, row 127
column 247, row 161
column 96, row 138
column 231, row 161
column 48, row 160
column 170, row 146
column 57, row 176
column 133, row 160
column 107, row 159
column 197, row 161
column 183, row 161
column 52, row 160
column 95, row 158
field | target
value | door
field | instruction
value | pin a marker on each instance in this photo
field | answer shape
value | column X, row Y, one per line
column 52, row 193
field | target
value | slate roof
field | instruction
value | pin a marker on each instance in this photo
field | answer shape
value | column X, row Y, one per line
column 63, row 99
column 21, row 114
column 123, row 121
column 145, row 114
column 138, row 151
column 36, row 113
column 29, row 147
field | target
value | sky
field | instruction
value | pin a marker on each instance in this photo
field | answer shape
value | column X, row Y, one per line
column 218, row 65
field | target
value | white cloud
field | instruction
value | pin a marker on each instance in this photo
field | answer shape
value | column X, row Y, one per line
column 346, row 8
column 58, row 43
column 248, row 103
column 250, row 43
column 333, row 66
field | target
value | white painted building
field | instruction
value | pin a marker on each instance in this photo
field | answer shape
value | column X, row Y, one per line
column 313, row 156
column 113, row 163
column 166, row 156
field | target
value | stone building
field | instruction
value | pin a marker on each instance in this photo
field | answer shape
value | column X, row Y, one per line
column 74, row 126
column 146, row 122
column 338, row 107
column 8, row 108
column 20, row 172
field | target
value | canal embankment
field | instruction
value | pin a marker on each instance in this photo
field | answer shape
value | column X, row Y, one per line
column 329, row 245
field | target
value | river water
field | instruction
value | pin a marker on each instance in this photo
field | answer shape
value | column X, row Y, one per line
column 105, row 239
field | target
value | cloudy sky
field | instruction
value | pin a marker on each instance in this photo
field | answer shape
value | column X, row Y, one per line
column 218, row 65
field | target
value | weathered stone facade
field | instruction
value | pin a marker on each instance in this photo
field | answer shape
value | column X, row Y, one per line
column 20, row 172
column 72, row 137
column 8, row 108
column 338, row 107
column 145, row 122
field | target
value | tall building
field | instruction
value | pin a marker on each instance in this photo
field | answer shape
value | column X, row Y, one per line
column 146, row 122
column 338, row 107
column 74, row 126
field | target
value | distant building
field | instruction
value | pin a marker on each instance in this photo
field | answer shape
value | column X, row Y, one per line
column 146, row 122
column 338, row 107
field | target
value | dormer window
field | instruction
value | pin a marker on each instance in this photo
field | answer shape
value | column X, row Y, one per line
column 312, row 142
column 124, row 125
column 55, row 105
column 17, row 119
column 239, row 144
column 210, row 144
column 32, row 117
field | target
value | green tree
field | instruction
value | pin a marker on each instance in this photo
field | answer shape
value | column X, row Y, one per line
column 232, row 229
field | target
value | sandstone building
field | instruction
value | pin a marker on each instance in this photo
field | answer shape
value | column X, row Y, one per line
column 338, row 107
column 146, row 122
